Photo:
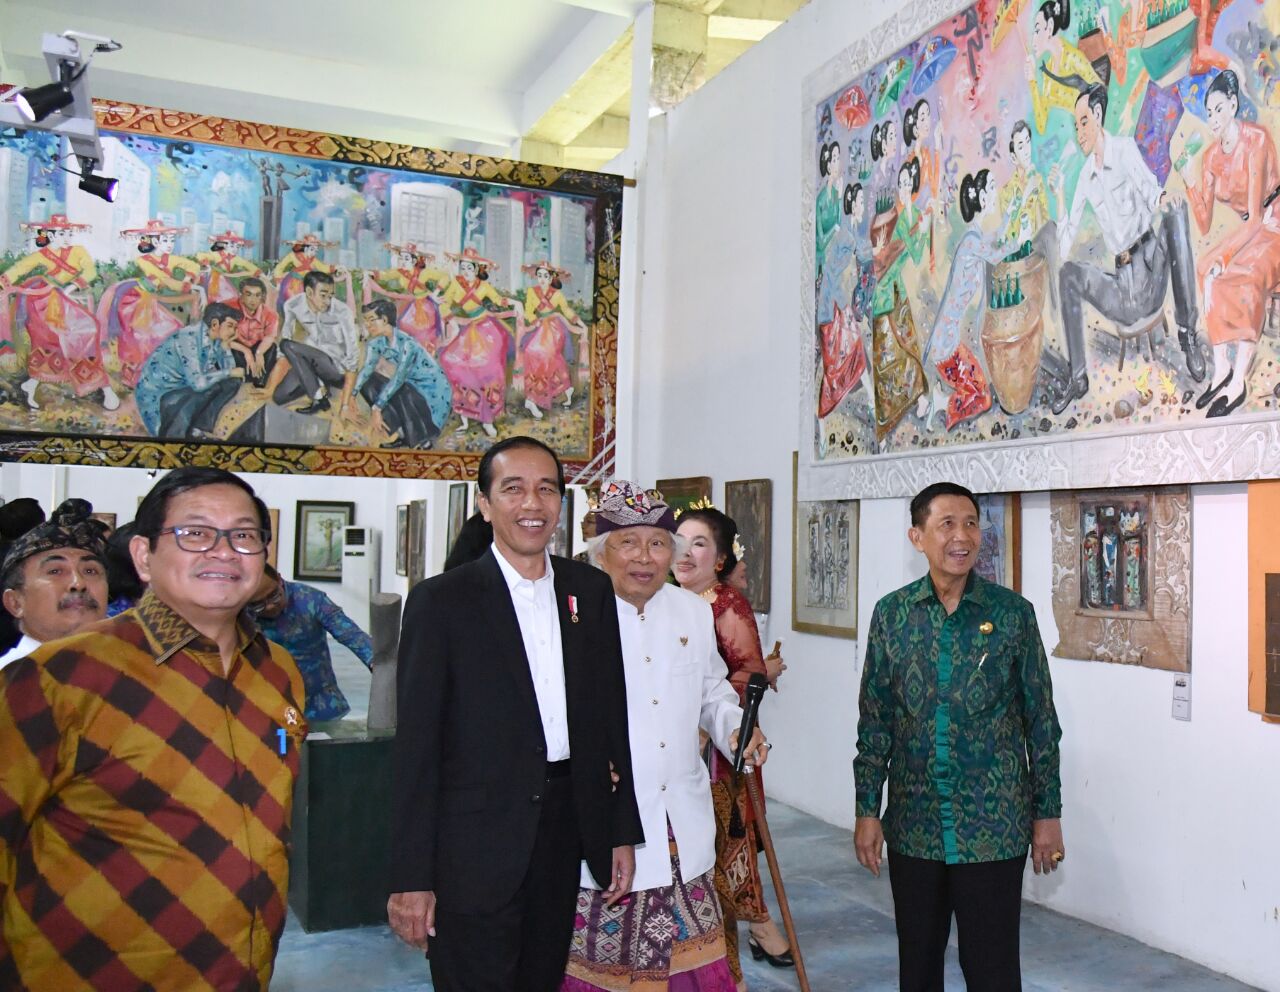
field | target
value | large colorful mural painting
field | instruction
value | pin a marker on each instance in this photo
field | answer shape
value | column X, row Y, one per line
column 272, row 299
column 1047, row 219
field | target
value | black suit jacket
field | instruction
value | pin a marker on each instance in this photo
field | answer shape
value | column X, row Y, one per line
column 470, row 754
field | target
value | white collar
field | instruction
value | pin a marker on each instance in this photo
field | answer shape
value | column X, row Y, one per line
column 651, row 608
column 1110, row 156
column 24, row 647
column 513, row 578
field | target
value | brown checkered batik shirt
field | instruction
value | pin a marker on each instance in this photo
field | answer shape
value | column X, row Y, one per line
column 144, row 808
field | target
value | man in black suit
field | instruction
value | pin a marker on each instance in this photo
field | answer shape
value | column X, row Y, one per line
column 512, row 713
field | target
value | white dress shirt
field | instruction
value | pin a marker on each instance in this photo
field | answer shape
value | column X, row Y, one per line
column 20, row 650
column 332, row 331
column 539, row 619
column 1123, row 193
column 676, row 685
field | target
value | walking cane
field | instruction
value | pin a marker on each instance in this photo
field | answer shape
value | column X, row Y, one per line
column 755, row 692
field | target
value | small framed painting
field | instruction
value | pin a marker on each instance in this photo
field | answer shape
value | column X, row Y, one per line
column 824, row 564
column 317, row 547
column 1000, row 553
column 402, row 539
column 457, row 514
column 681, row 494
column 416, row 552
column 750, row 504
column 562, row 542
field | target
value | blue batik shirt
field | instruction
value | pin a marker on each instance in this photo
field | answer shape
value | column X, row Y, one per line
column 187, row 358
column 301, row 629
column 414, row 366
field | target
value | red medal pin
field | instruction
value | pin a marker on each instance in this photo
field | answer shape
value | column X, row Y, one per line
column 573, row 609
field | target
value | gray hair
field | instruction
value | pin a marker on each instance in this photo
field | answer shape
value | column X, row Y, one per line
column 595, row 547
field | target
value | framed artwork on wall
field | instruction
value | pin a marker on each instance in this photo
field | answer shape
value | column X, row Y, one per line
column 416, row 554
column 974, row 309
column 824, row 564
column 273, row 549
column 457, row 514
column 681, row 494
column 317, row 540
column 1000, row 553
column 225, row 201
column 562, row 542
column 402, row 539
column 750, row 504
column 1264, row 599
column 1122, row 576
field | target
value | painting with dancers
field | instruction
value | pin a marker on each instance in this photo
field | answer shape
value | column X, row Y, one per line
column 1049, row 219
column 369, row 307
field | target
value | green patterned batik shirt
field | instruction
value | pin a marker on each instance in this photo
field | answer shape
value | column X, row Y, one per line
column 958, row 712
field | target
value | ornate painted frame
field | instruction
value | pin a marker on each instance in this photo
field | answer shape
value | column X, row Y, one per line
column 335, row 460
column 1164, row 640
column 1247, row 448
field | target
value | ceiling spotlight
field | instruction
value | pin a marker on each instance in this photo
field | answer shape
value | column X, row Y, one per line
column 35, row 103
column 102, row 186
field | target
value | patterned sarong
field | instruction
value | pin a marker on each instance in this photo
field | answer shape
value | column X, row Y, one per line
column 669, row 938
column 737, row 872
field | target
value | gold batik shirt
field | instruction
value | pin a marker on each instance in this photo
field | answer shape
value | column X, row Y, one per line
column 145, row 800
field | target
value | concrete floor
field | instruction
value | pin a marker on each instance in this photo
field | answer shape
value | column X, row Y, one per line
column 843, row 915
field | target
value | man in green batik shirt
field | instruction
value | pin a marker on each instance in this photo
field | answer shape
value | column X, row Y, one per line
column 956, row 710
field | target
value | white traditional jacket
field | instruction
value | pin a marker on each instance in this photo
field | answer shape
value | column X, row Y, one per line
column 676, row 684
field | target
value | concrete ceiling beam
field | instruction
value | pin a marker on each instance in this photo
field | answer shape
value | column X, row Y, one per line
column 577, row 60
column 604, row 84
column 760, row 10
column 739, row 28
column 679, row 28
column 541, row 152
column 606, row 131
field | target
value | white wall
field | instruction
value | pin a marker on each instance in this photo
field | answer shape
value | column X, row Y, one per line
column 1170, row 826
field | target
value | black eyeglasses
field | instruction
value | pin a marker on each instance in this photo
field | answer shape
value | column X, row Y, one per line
column 196, row 538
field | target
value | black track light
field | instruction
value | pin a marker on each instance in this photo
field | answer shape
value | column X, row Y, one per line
column 102, row 186
column 35, row 103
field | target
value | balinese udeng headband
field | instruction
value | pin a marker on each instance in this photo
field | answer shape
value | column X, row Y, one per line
column 71, row 526
column 624, row 504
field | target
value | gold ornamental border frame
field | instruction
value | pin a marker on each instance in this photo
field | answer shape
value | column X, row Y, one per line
column 121, row 452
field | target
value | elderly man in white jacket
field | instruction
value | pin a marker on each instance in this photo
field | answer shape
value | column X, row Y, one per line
column 670, row 924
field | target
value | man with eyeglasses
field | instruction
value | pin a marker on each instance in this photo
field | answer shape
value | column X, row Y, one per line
column 147, row 766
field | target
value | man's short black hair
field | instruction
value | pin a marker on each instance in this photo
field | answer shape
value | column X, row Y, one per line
column 385, row 309
column 925, row 497
column 252, row 282
column 485, row 475
column 314, row 278
column 154, row 509
column 1097, row 97
column 216, row 313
